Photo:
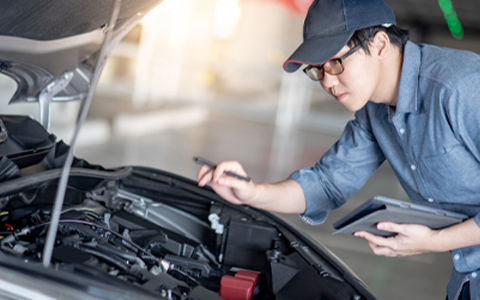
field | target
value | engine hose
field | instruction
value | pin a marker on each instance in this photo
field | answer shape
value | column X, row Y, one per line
column 119, row 253
column 117, row 263
column 29, row 229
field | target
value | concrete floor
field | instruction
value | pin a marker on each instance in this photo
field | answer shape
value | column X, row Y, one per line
column 268, row 155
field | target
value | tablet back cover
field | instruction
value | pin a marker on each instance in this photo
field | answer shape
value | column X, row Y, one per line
column 380, row 209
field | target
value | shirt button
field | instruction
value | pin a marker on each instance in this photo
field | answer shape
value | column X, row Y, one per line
column 474, row 274
column 430, row 200
column 402, row 131
column 456, row 257
column 413, row 167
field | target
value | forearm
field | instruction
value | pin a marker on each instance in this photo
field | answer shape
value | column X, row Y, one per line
column 457, row 236
column 282, row 197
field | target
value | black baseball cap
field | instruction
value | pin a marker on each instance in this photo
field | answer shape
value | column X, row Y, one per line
column 330, row 24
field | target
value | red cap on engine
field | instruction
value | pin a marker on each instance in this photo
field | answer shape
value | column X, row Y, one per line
column 238, row 287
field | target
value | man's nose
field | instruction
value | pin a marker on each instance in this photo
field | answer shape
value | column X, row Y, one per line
column 328, row 82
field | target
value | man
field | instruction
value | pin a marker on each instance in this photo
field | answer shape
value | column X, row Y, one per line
column 416, row 106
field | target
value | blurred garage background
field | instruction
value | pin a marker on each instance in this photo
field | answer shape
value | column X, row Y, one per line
column 204, row 78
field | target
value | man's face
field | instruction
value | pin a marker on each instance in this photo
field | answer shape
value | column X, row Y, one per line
column 356, row 85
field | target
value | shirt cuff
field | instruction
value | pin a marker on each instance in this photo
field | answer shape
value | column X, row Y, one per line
column 317, row 202
column 477, row 219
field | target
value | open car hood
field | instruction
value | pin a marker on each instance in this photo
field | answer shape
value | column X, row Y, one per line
column 49, row 48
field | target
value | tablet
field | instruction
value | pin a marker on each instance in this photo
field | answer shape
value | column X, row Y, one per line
column 379, row 209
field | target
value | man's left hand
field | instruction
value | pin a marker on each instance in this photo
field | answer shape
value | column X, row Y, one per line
column 411, row 239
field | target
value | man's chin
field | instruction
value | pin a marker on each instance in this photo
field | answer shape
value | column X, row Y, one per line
column 352, row 107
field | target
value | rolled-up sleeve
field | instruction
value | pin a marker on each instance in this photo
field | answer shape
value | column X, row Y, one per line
column 342, row 171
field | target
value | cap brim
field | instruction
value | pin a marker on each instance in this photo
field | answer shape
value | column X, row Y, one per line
column 316, row 51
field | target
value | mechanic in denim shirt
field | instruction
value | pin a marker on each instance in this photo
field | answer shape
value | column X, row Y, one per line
column 431, row 140
column 417, row 106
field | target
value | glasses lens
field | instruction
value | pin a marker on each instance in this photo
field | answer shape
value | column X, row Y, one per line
column 315, row 73
column 334, row 67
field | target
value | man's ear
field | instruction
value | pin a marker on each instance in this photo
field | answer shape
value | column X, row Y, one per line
column 380, row 45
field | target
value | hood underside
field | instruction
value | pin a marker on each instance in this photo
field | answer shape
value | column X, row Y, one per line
column 49, row 48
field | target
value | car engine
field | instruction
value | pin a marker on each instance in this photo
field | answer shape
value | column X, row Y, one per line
column 161, row 233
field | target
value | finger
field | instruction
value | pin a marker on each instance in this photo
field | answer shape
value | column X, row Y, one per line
column 204, row 176
column 237, row 192
column 208, row 177
column 371, row 238
column 203, row 170
column 233, row 182
column 363, row 234
column 391, row 227
column 226, row 193
column 231, row 166
column 219, row 171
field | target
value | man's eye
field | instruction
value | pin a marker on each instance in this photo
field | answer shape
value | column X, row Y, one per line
column 335, row 62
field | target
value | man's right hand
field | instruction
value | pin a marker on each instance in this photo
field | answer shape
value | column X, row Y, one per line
column 232, row 189
column 283, row 197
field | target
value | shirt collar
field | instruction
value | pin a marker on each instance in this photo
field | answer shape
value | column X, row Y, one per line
column 407, row 93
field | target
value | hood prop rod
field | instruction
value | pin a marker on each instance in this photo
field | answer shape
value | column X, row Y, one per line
column 62, row 186
column 46, row 97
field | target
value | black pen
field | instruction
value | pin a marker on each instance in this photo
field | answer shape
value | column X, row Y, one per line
column 202, row 161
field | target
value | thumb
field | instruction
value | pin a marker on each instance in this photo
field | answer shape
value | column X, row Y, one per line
column 390, row 227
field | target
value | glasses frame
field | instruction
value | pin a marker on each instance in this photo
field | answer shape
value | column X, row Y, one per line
column 321, row 69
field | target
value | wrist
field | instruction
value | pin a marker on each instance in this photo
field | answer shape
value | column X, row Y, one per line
column 258, row 190
column 262, row 196
column 436, row 241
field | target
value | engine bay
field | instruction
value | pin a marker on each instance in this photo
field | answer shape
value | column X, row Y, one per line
column 172, row 239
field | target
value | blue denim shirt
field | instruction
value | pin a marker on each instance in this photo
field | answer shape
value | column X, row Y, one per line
column 431, row 139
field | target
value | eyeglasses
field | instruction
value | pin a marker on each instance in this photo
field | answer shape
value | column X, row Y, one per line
column 332, row 67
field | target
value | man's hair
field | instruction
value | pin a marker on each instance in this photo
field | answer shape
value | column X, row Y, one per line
column 397, row 36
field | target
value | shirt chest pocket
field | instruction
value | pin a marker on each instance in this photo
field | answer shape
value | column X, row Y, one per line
column 453, row 176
